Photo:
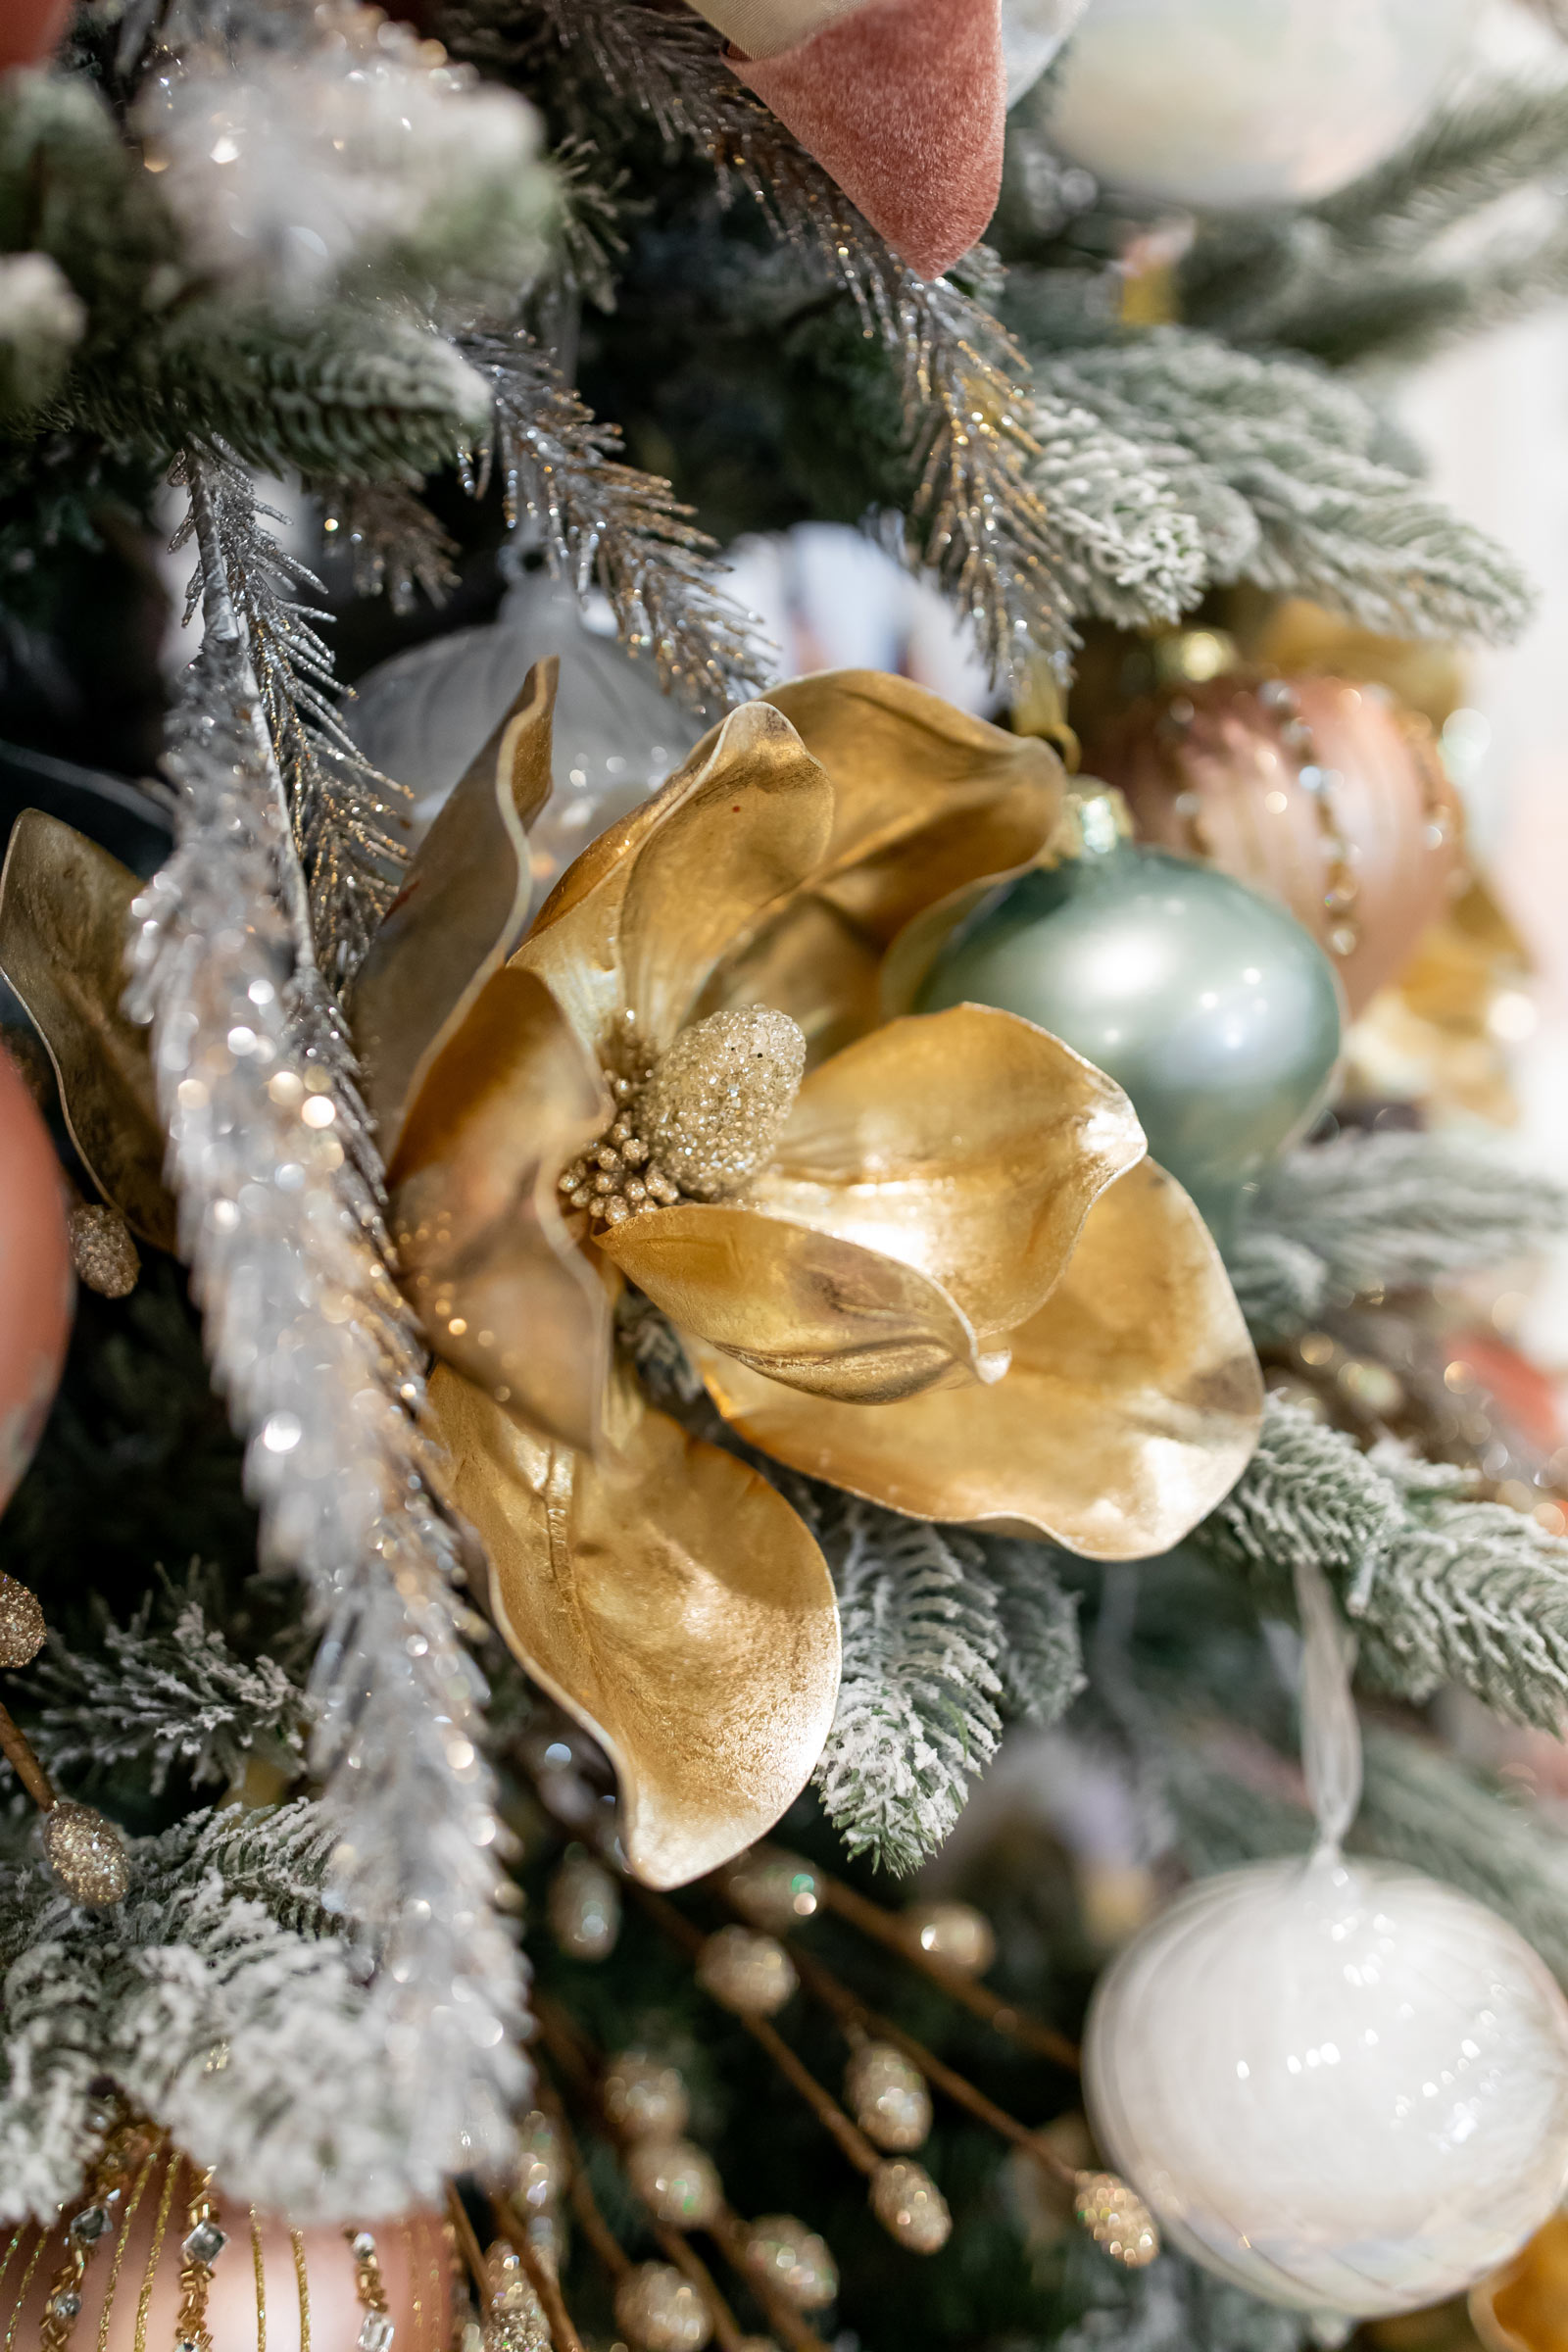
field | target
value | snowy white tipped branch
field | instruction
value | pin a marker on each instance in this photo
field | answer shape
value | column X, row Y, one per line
column 313, row 1347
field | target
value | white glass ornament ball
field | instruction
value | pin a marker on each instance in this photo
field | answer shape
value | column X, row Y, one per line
column 1338, row 2084
column 1222, row 104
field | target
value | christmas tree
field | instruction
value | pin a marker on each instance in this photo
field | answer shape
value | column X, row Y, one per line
column 699, row 1290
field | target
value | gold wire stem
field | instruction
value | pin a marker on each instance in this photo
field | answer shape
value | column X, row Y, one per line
column 887, row 1929
column 16, row 2240
column 33, row 2260
column 852, row 2013
column 542, row 2278
column 850, row 2138
column 411, row 2257
column 672, row 2242
column 259, row 2265
column 17, row 1753
column 302, row 2279
column 155, row 2251
column 121, row 2243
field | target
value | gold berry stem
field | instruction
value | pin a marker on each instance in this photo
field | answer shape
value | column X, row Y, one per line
column 542, row 2278
column 854, row 2016
column 578, row 2059
column 886, row 1928
column 851, row 2139
column 23, row 1763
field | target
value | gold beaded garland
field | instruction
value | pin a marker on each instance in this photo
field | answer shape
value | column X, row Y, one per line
column 86, row 1854
column 751, row 1974
column 910, row 2207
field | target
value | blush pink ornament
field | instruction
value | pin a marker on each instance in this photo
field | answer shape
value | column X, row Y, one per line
column 903, row 102
column 30, row 30
column 36, row 1279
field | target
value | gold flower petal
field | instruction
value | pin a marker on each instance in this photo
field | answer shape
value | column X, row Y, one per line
column 807, row 1309
column 1131, row 1405
column 502, row 1289
column 926, row 797
column 65, row 923
column 967, row 1144
column 644, row 915
column 459, row 912
column 814, row 965
column 673, row 1603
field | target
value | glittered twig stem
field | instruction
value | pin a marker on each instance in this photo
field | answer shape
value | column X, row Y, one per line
column 24, row 1764
column 887, row 1929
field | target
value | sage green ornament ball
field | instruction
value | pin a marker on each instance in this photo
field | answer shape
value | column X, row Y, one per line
column 1209, row 1004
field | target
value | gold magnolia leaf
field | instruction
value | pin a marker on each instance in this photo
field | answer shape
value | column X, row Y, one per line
column 967, row 1144
column 804, row 1308
column 502, row 1289
column 640, row 920
column 926, row 797
column 1131, row 1405
column 459, row 912
column 673, row 1603
column 814, row 965
column 64, row 920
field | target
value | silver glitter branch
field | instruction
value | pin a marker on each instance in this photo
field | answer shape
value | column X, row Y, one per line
column 975, row 517
column 344, row 817
column 608, row 526
column 313, row 1347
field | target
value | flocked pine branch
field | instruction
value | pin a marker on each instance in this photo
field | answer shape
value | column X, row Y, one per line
column 323, row 1371
column 1273, row 461
column 918, row 1713
column 973, row 514
column 227, row 1942
column 1388, row 1212
column 1441, row 1587
column 608, row 526
column 165, row 1689
column 1040, row 1659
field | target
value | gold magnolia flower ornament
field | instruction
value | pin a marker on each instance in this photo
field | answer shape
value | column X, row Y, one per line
column 922, row 1257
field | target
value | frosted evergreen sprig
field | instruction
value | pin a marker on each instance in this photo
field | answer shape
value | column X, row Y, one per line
column 918, row 1713
column 226, row 1999
column 1388, row 1212
column 608, row 526
column 165, row 1688
column 1274, row 463
column 1441, row 1587
column 321, row 1368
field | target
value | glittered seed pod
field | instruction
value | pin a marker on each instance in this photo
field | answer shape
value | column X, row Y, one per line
column 643, row 2098
column 660, row 2311
column 584, row 1908
column 910, row 2207
column 751, row 1974
column 794, row 2259
column 775, row 1890
column 86, row 1853
column 22, row 1632
column 676, row 2181
column 955, row 1934
column 888, row 2098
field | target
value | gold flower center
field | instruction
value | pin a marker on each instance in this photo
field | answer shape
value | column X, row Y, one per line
column 699, row 1124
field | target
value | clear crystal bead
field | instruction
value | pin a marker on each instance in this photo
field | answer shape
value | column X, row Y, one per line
column 361, row 2245
column 65, row 2305
column 376, row 2336
column 205, row 2244
column 89, row 2224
